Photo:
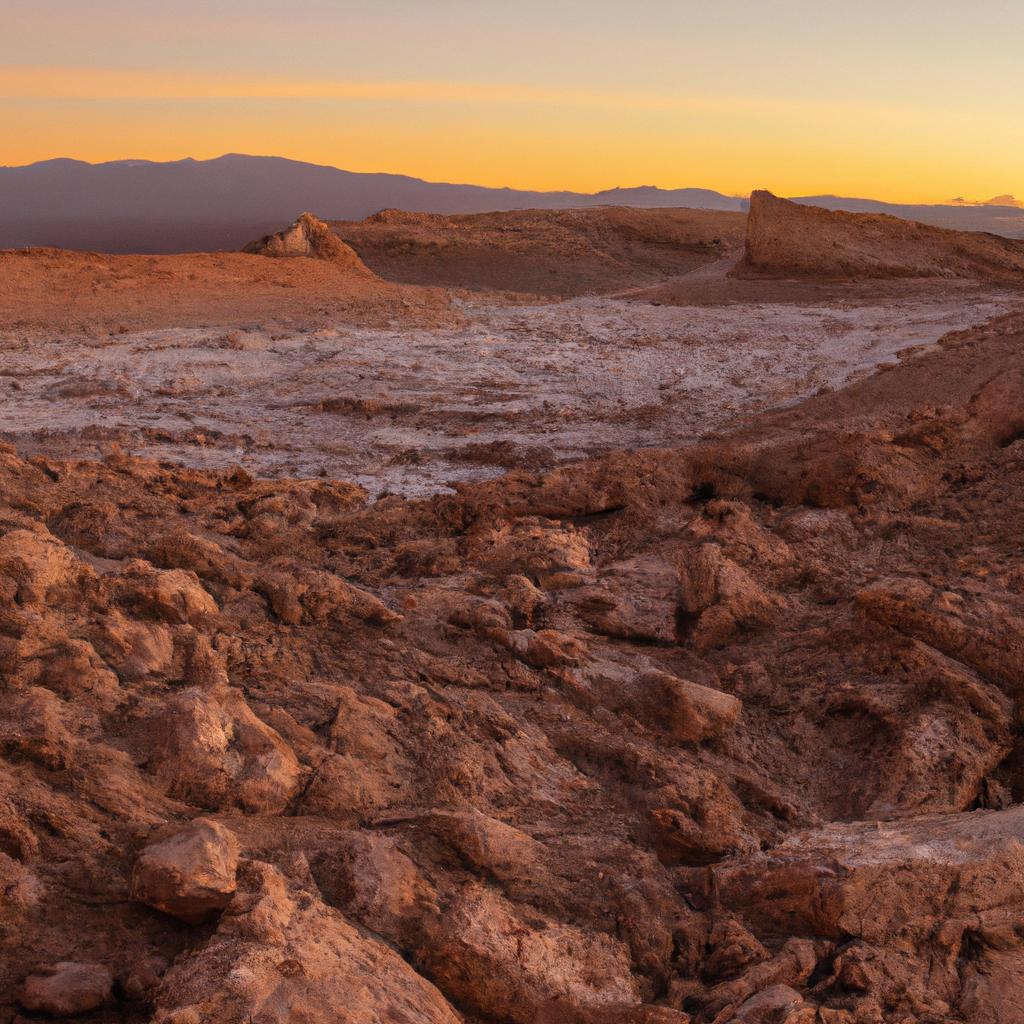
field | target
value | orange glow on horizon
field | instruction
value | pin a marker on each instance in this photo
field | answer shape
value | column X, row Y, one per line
column 811, row 101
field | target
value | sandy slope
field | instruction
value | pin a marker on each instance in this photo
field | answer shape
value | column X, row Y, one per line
column 54, row 291
column 544, row 252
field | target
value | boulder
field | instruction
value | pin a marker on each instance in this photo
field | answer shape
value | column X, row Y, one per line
column 691, row 713
column 280, row 955
column 909, row 897
column 190, row 874
column 720, row 600
column 635, row 600
column 41, row 569
column 66, row 989
column 777, row 1004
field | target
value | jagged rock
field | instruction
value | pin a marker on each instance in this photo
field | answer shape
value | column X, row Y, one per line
column 719, row 600
column 168, row 595
column 32, row 726
column 982, row 633
column 281, row 955
column 319, row 596
column 537, row 548
column 635, row 600
column 40, row 567
column 557, row 1012
column 179, row 549
column 74, row 670
column 790, row 967
column 214, row 752
column 690, row 712
column 790, row 238
column 135, row 650
column 731, row 947
column 311, row 237
column 67, row 989
column 524, row 600
column 920, row 886
column 139, row 984
column 489, row 957
column 547, row 648
column 778, row 1004
column 491, row 846
column 702, row 831
column 190, row 874
column 380, row 887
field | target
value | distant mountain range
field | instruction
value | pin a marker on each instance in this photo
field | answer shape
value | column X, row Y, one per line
column 141, row 206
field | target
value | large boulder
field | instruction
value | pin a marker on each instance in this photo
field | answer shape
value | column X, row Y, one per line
column 190, row 874
column 913, row 902
column 508, row 966
column 214, row 752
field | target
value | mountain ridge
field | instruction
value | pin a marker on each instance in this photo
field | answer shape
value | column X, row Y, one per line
column 144, row 206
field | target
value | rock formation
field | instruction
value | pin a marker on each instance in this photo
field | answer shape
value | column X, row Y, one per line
column 546, row 252
column 789, row 239
column 190, row 874
column 312, row 238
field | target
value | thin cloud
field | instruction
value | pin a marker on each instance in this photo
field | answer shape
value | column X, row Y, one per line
column 65, row 83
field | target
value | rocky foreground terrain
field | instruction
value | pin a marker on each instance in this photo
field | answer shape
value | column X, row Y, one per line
column 724, row 732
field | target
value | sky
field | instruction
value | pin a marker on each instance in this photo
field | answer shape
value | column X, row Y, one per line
column 901, row 100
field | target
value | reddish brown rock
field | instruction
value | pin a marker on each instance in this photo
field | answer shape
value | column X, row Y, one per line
column 489, row 957
column 310, row 237
column 190, row 874
column 791, row 238
column 67, row 989
column 214, row 752
column 279, row 954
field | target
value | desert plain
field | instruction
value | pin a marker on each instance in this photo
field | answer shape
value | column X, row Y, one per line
column 587, row 617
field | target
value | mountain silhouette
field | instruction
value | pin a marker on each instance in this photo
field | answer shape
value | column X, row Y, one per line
column 194, row 205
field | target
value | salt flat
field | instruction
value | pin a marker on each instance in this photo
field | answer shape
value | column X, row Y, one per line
column 412, row 410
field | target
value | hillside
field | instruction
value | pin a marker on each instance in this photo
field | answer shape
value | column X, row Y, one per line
column 544, row 252
column 787, row 239
column 105, row 294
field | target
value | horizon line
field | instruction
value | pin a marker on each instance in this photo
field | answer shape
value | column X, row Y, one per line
column 952, row 202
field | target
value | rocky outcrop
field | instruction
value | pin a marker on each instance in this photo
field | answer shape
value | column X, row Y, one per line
column 790, row 239
column 509, row 967
column 312, row 238
column 281, row 955
column 881, row 890
column 213, row 751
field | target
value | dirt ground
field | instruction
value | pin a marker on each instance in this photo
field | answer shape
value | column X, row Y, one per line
column 412, row 409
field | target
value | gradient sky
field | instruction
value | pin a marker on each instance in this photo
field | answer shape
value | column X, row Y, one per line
column 900, row 100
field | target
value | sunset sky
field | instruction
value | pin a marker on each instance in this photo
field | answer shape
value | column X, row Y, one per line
column 901, row 100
